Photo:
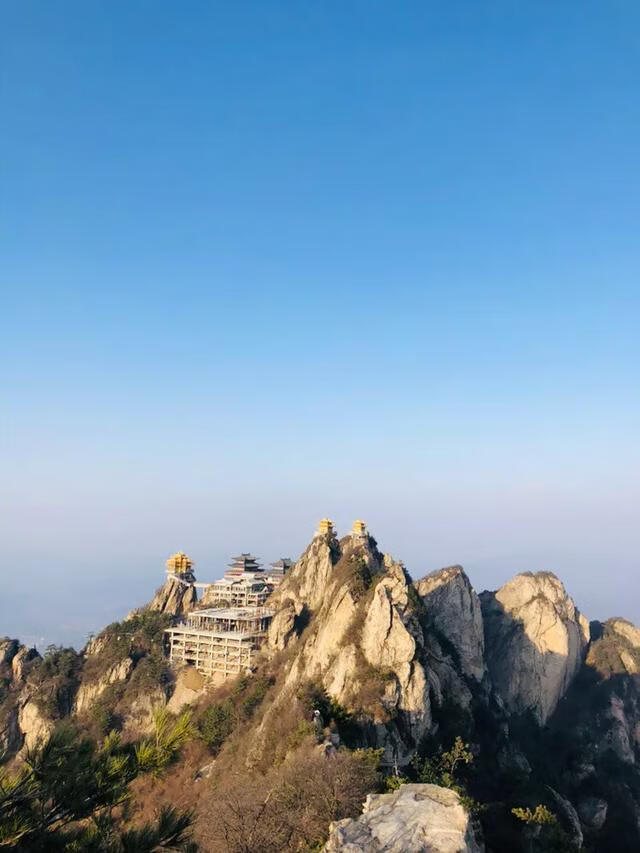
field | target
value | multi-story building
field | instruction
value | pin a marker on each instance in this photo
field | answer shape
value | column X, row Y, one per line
column 244, row 585
column 219, row 642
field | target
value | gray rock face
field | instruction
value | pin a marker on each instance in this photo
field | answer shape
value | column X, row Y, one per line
column 413, row 819
column 569, row 818
column 10, row 734
column 174, row 597
column 453, row 608
column 622, row 731
column 282, row 628
column 535, row 639
column 593, row 812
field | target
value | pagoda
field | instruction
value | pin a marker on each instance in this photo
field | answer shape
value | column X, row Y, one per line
column 181, row 565
column 242, row 564
column 279, row 569
column 359, row 530
column 325, row 527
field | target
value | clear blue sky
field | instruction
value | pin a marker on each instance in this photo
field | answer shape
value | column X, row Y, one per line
column 267, row 261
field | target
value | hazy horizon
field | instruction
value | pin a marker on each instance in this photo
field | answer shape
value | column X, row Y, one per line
column 270, row 263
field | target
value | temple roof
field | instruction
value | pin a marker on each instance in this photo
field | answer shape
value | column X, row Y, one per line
column 179, row 563
column 282, row 563
column 245, row 562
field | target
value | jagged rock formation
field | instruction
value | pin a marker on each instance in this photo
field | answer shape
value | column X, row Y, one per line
column 174, row 597
column 453, row 610
column 21, row 722
column 413, row 819
column 351, row 618
column 535, row 642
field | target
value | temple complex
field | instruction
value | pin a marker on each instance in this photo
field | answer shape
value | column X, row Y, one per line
column 222, row 639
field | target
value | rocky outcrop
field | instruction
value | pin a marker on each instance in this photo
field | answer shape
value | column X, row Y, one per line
column 10, row 734
column 139, row 718
column 34, row 725
column 282, row 628
column 453, row 611
column 413, row 819
column 535, row 639
column 8, row 650
column 306, row 584
column 90, row 691
column 392, row 642
column 350, row 616
column 20, row 662
column 569, row 819
column 627, row 630
column 14, row 658
column 175, row 597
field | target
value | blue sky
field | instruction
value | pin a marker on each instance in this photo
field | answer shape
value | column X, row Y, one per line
column 264, row 262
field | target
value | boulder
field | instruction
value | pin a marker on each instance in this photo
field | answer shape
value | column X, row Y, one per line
column 414, row 819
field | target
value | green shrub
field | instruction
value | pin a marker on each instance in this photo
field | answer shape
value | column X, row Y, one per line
column 216, row 724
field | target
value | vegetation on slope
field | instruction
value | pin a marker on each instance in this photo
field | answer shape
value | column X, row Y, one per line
column 70, row 793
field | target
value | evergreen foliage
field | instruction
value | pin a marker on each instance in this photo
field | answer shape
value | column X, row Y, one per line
column 64, row 798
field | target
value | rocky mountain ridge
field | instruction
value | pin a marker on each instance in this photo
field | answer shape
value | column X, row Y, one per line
column 549, row 704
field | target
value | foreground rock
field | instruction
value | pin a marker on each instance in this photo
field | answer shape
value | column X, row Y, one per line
column 535, row 642
column 413, row 819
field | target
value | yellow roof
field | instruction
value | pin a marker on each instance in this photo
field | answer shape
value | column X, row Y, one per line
column 179, row 562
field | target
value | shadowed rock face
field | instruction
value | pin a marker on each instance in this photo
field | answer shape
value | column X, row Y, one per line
column 535, row 639
column 453, row 609
column 413, row 819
